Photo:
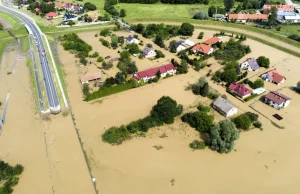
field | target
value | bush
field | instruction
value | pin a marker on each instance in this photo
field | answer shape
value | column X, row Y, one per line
column 203, row 108
column 99, row 59
column 200, row 36
column 116, row 135
column 159, row 54
column 85, row 89
column 257, row 124
column 242, row 122
column 104, row 42
column 201, row 121
column 106, row 65
column 232, row 51
column 104, row 32
column 252, row 116
column 294, row 37
column 197, row 145
column 201, row 16
column 94, row 55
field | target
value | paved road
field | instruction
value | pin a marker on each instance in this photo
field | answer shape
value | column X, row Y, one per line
column 46, row 71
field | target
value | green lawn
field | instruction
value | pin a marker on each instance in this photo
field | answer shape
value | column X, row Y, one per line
column 11, row 20
column 288, row 30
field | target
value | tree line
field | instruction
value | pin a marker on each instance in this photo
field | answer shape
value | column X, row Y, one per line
column 166, row 1
column 164, row 112
column 9, row 176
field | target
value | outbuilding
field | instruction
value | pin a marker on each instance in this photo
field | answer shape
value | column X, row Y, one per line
column 224, row 107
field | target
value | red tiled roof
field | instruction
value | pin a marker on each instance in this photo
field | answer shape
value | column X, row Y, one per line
column 212, row 40
column 51, row 14
column 277, row 97
column 90, row 77
column 275, row 76
column 49, row 2
column 248, row 16
column 152, row 72
column 240, row 89
column 203, row 48
column 280, row 7
column 59, row 4
column 36, row 9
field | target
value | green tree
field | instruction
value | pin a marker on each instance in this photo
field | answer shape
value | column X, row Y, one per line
column 242, row 122
column 133, row 48
column 211, row 11
column 201, row 16
column 221, row 136
column 228, row 4
column 85, row 89
column 159, row 54
column 257, row 84
column 104, row 32
column 89, row 6
column 298, row 84
column 158, row 74
column 204, row 90
column 183, row 67
column 106, row 65
column 263, row 61
column 165, row 110
column 122, row 13
column 131, row 68
column 272, row 20
column 186, row 29
column 119, row 78
column 159, row 41
column 173, row 46
column 116, row 135
column 99, row 59
column 125, row 55
column 199, row 120
column 229, row 75
column 200, row 36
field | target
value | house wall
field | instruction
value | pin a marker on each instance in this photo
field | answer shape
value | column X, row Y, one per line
column 233, row 111
column 287, row 103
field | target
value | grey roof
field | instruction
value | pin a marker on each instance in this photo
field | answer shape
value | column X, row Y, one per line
column 223, row 104
column 285, row 13
column 253, row 64
column 130, row 38
column 147, row 50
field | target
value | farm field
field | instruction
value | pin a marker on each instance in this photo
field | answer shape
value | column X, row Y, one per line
column 258, row 164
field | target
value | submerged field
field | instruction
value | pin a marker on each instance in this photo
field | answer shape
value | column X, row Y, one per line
column 263, row 161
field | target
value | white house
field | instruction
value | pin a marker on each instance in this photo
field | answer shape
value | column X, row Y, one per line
column 188, row 43
column 250, row 65
column 151, row 73
column 224, row 107
column 130, row 39
column 277, row 100
column 258, row 91
column 149, row 52
column 180, row 48
column 292, row 19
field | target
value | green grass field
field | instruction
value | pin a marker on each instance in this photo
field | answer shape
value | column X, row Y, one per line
column 287, row 30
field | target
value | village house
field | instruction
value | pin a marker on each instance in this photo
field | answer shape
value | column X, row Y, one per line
column 250, row 65
column 130, row 39
column 258, row 91
column 183, row 44
column 90, row 77
column 273, row 76
column 243, row 18
column 267, row 8
column 288, row 17
column 203, row 48
column 224, row 107
column 149, row 52
column 145, row 75
column 212, row 41
column 277, row 100
column 240, row 89
column 37, row 10
column 51, row 15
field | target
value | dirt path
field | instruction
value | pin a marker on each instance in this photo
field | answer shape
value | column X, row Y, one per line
column 239, row 30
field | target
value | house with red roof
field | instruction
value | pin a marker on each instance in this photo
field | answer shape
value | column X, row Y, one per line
column 273, row 76
column 248, row 17
column 59, row 5
column 290, row 8
column 37, row 10
column 203, row 48
column 212, row 41
column 90, row 77
column 240, row 89
column 277, row 100
column 147, row 74
column 51, row 15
